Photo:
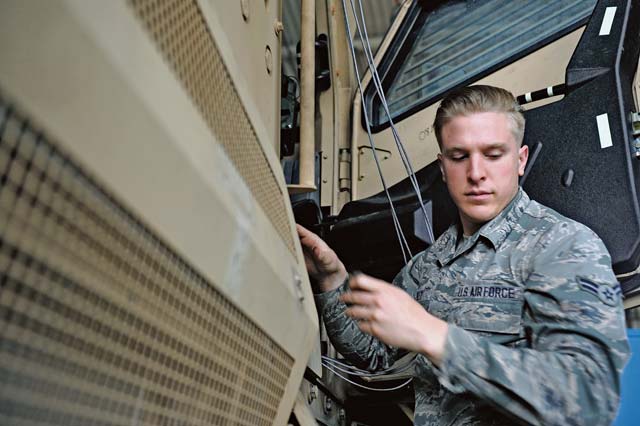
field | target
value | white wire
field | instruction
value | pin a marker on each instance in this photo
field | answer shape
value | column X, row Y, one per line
column 347, row 365
column 404, row 246
column 396, row 221
column 364, row 39
column 349, row 369
column 345, row 370
column 367, row 387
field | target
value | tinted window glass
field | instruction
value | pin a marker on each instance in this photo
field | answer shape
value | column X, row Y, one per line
column 461, row 39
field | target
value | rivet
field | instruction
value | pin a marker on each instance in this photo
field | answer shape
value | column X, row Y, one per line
column 328, row 405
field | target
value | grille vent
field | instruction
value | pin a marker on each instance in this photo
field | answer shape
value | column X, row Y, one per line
column 100, row 322
column 181, row 34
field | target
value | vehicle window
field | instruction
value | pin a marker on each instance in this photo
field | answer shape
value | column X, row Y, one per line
column 462, row 39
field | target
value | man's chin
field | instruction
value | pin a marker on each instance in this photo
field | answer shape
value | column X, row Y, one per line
column 480, row 215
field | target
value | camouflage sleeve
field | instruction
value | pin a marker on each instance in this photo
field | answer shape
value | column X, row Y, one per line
column 573, row 321
column 360, row 348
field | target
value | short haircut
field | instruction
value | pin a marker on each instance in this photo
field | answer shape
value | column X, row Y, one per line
column 473, row 99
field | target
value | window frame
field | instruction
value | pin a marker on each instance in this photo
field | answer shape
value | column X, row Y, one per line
column 401, row 46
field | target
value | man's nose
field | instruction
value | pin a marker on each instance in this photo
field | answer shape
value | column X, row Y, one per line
column 477, row 169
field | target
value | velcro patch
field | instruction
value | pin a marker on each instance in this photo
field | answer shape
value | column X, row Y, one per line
column 607, row 294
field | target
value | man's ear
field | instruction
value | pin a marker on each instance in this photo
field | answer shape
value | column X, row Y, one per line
column 444, row 178
column 523, row 156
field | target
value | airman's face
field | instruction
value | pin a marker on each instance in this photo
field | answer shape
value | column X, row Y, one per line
column 481, row 163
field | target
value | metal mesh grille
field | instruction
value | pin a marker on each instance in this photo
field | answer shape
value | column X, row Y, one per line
column 180, row 32
column 100, row 322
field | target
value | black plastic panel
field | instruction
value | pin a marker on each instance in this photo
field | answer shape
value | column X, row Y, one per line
column 364, row 236
column 602, row 193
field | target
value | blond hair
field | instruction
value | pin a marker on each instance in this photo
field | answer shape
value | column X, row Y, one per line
column 474, row 99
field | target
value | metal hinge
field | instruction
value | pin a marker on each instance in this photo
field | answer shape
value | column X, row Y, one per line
column 344, row 170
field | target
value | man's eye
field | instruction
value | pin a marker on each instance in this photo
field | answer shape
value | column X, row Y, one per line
column 494, row 155
column 458, row 157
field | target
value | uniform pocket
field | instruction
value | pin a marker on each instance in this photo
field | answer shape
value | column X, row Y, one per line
column 423, row 296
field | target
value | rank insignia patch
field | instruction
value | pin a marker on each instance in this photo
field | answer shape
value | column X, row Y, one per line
column 609, row 295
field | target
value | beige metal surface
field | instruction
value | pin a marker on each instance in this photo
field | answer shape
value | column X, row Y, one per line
column 180, row 32
column 632, row 302
column 307, row 99
column 358, row 134
column 113, row 100
column 242, row 45
column 100, row 309
column 542, row 68
column 335, row 104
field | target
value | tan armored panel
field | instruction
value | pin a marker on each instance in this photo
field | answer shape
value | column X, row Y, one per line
column 150, row 271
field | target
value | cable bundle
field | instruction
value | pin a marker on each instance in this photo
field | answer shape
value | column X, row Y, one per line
column 364, row 38
column 336, row 366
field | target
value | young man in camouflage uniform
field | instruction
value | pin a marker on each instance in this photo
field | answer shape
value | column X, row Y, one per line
column 514, row 311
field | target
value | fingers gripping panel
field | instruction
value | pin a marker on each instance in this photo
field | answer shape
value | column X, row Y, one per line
column 180, row 32
column 100, row 322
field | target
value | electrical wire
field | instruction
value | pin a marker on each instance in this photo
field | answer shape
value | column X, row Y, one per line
column 367, row 387
column 364, row 39
column 350, row 369
column 350, row 372
column 404, row 246
column 406, row 361
column 333, row 365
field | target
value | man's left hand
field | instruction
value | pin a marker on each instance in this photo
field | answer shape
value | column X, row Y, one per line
column 394, row 317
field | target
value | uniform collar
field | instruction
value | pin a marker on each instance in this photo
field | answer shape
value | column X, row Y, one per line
column 495, row 231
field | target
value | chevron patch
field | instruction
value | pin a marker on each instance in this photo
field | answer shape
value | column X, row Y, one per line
column 609, row 295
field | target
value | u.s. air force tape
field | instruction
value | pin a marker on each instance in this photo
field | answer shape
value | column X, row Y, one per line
column 484, row 291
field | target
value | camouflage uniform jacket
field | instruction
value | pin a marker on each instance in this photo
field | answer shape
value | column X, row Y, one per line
column 536, row 325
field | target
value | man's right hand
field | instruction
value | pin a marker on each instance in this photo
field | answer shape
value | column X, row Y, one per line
column 325, row 269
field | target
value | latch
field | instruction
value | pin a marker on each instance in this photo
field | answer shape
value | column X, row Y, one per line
column 367, row 160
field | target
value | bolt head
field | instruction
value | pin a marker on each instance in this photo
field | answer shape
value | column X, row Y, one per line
column 313, row 393
column 328, row 405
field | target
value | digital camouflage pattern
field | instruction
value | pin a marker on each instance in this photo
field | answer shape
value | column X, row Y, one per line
column 536, row 324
